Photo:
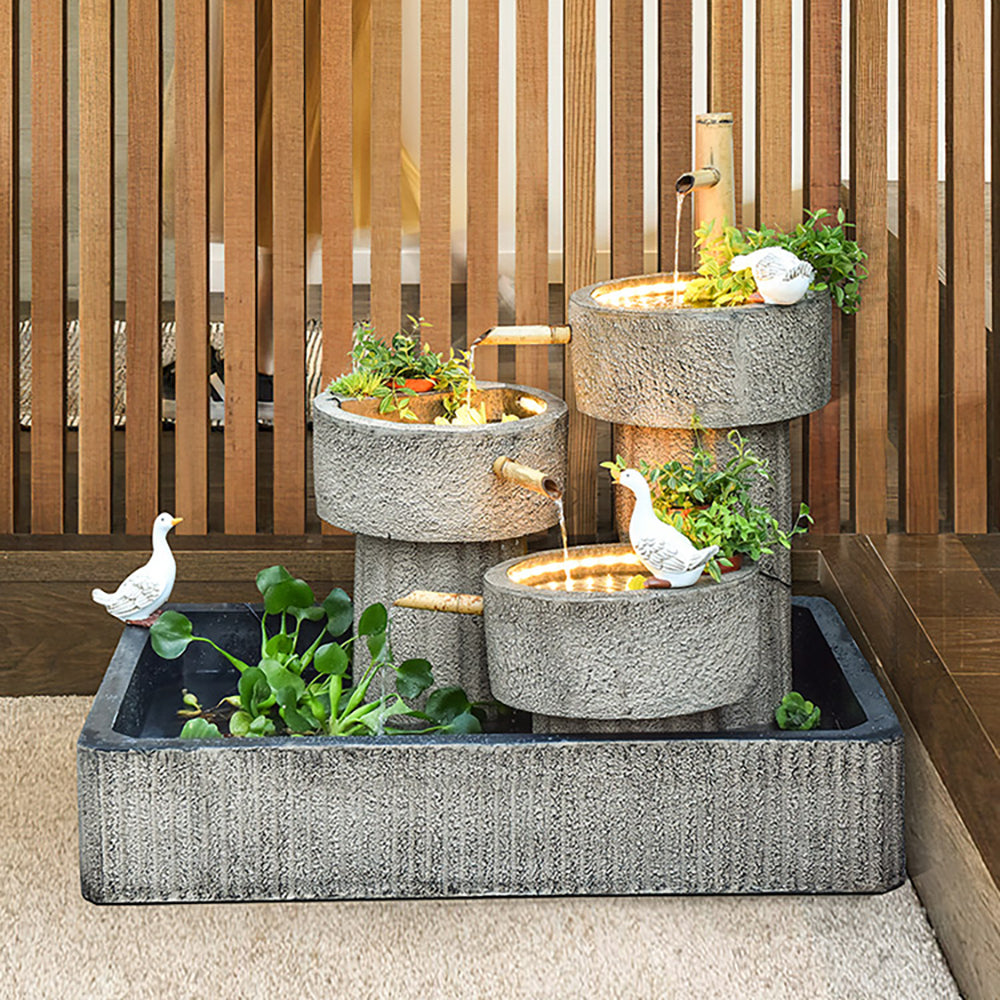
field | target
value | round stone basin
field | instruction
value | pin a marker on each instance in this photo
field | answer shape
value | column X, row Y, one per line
column 378, row 475
column 639, row 360
column 600, row 651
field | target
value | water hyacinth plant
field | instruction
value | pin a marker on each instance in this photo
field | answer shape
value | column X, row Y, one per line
column 321, row 689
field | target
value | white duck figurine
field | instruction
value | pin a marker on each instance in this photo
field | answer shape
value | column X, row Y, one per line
column 661, row 548
column 781, row 277
column 138, row 599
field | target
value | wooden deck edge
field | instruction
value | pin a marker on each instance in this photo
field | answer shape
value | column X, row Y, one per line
column 947, row 870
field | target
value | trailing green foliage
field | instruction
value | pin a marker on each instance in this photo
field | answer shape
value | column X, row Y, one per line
column 380, row 368
column 795, row 712
column 712, row 503
column 837, row 260
column 314, row 690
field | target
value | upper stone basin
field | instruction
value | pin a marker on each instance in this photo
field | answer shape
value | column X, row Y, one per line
column 420, row 482
column 734, row 366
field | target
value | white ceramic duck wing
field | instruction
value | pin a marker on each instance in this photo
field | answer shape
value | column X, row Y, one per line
column 663, row 554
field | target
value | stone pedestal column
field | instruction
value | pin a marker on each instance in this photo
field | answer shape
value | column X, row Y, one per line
column 429, row 512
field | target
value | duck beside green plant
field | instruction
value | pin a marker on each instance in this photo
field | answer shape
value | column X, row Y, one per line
column 710, row 502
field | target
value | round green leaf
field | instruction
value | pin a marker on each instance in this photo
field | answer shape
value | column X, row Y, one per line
column 200, row 729
column 413, row 677
column 278, row 645
column 464, row 723
column 377, row 646
column 288, row 594
column 255, row 692
column 267, row 578
column 170, row 634
column 331, row 659
column 339, row 611
column 447, row 703
column 313, row 614
column 278, row 676
column 239, row 723
column 261, row 726
column 373, row 619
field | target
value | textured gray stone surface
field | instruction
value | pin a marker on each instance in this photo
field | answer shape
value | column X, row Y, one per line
column 735, row 366
column 496, row 815
column 637, row 654
column 386, row 569
column 774, row 663
column 425, row 483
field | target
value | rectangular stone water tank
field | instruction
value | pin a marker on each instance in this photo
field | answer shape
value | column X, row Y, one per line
column 170, row 820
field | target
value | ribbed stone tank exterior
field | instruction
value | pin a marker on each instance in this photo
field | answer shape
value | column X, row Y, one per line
column 429, row 512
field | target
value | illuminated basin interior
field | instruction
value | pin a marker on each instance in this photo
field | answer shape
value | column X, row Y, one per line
column 499, row 400
column 648, row 291
column 599, row 569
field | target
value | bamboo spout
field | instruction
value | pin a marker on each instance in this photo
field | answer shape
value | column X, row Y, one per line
column 701, row 178
column 524, row 335
column 435, row 600
column 524, row 475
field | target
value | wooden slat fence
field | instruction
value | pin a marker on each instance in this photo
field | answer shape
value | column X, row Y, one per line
column 913, row 415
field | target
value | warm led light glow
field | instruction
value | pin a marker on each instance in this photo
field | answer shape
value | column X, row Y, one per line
column 653, row 295
column 530, row 405
column 622, row 561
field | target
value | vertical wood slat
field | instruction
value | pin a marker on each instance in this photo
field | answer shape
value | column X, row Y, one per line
column 774, row 114
column 240, row 224
column 994, row 374
column 48, row 265
column 289, row 194
column 142, row 309
column 822, row 191
column 675, row 67
column 627, row 224
column 532, row 210
column 435, row 172
column 337, row 184
column 9, row 271
column 97, row 227
column 966, row 250
column 337, row 187
column 579, row 250
column 918, row 271
column 191, row 264
column 482, row 258
column 386, row 208
column 869, row 356
column 725, row 78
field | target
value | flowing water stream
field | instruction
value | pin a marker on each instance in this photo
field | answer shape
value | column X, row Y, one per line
column 677, row 244
column 560, row 507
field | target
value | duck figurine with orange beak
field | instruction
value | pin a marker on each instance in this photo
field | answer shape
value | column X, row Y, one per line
column 139, row 597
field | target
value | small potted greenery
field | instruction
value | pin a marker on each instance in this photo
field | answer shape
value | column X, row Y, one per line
column 710, row 502
column 837, row 260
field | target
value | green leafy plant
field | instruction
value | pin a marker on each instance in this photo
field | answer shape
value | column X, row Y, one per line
column 795, row 712
column 380, row 368
column 711, row 502
column 314, row 690
column 837, row 260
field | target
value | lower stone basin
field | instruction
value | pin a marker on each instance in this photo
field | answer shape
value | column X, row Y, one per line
column 513, row 814
column 600, row 651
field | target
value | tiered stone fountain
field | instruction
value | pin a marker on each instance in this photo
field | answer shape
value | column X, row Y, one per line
column 653, row 767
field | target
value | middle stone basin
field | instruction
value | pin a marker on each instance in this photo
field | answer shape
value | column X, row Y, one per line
column 599, row 651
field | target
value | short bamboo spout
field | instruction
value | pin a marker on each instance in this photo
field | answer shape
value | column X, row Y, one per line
column 524, row 475
column 497, row 335
column 701, row 178
column 436, row 600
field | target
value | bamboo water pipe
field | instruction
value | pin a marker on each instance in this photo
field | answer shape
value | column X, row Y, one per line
column 436, row 600
column 524, row 475
column 539, row 334
column 713, row 181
